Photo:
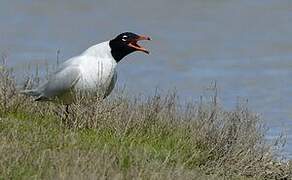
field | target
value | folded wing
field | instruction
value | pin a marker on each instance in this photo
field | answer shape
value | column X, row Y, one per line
column 58, row 84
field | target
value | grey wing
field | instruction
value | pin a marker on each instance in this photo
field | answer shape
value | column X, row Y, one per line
column 62, row 81
column 111, row 84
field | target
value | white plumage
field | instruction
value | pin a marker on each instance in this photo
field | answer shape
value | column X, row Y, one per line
column 92, row 71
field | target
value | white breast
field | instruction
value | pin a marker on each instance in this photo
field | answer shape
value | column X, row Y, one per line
column 97, row 67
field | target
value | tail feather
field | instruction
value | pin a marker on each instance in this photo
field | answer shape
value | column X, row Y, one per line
column 30, row 92
column 33, row 92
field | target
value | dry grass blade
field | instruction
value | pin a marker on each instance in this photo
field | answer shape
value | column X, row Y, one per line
column 131, row 138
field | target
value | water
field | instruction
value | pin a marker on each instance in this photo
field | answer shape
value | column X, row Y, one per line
column 246, row 46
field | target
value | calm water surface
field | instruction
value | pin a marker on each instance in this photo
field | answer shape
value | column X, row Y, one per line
column 246, row 46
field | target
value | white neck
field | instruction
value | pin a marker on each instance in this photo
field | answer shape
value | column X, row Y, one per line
column 102, row 50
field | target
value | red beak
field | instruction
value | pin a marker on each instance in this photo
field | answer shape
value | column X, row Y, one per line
column 136, row 46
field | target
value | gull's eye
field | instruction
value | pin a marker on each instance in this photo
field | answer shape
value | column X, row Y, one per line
column 124, row 38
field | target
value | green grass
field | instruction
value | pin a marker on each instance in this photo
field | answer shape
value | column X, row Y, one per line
column 131, row 138
column 32, row 146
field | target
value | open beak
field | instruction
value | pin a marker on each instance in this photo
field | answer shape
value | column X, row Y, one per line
column 134, row 43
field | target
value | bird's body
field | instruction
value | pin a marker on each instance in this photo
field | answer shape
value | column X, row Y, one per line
column 97, row 69
column 92, row 71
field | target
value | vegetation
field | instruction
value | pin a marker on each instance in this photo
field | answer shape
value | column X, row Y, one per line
column 131, row 138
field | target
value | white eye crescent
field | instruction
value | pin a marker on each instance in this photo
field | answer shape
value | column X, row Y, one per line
column 124, row 38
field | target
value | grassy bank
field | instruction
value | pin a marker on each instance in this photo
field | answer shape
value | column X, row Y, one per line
column 131, row 138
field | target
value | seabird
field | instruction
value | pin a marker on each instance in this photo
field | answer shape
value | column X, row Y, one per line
column 92, row 71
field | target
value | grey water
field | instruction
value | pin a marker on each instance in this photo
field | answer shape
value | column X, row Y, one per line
column 243, row 45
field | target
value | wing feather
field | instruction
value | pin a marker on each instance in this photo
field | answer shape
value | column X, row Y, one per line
column 59, row 83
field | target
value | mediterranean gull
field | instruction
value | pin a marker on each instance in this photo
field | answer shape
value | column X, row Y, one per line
column 92, row 71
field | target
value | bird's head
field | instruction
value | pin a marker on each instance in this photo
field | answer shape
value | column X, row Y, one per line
column 125, row 44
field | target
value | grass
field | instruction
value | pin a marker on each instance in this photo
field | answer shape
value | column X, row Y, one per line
column 131, row 138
